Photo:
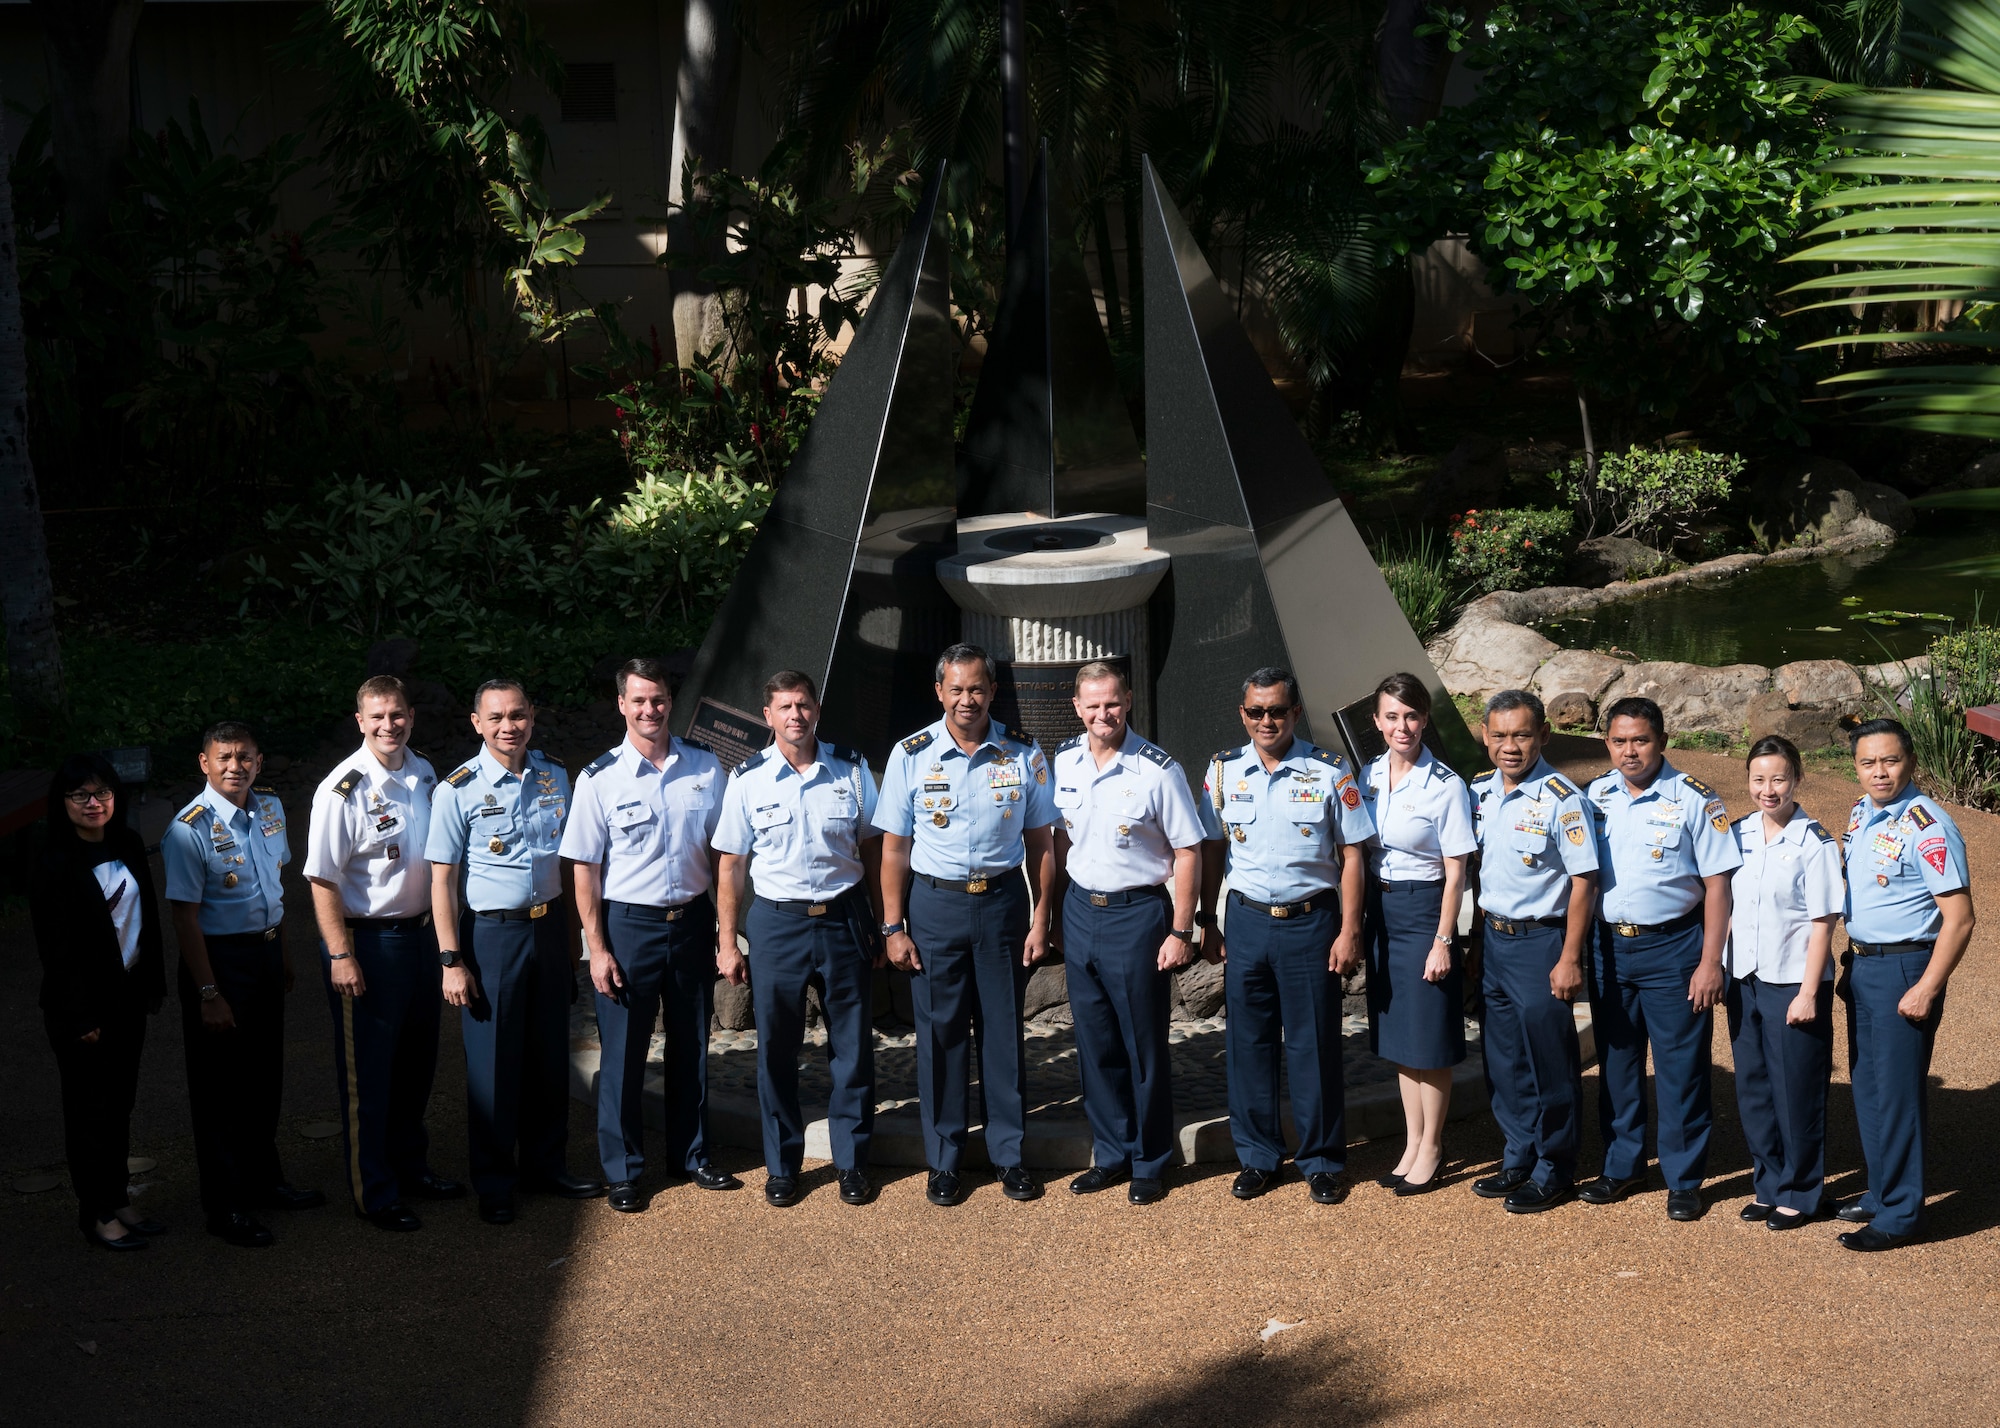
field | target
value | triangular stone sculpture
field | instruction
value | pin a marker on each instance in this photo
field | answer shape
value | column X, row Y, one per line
column 841, row 580
column 1268, row 569
column 1049, row 433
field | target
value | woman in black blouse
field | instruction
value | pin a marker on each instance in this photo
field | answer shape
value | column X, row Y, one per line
column 97, row 926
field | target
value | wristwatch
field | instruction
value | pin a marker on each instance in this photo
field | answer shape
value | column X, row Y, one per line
column 447, row 956
column 1186, row 934
column 1204, row 919
column 209, row 992
column 890, row 929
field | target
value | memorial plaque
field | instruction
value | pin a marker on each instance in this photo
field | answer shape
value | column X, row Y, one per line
column 1365, row 743
column 1040, row 699
column 727, row 732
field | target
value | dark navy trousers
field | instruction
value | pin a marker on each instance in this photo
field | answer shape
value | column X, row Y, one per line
column 1891, row 1066
column 385, row 1045
column 790, row 951
column 669, row 971
column 972, row 987
column 1639, row 995
column 236, row 1078
column 1121, row 1000
column 1781, row 1077
column 1284, row 1007
column 516, row 1034
column 1534, row 1066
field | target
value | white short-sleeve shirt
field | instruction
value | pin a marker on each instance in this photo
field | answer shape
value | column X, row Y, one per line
column 1421, row 822
column 1124, row 820
column 647, row 825
column 1784, row 885
column 369, row 826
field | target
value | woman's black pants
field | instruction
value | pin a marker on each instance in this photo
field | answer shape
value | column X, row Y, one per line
column 100, row 1080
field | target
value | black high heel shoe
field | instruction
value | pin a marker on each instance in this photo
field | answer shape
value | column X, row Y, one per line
column 130, row 1240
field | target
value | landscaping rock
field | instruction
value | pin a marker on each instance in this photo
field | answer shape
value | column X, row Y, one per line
column 1572, row 710
column 1979, row 473
column 1693, row 697
column 1587, row 672
column 1479, row 656
column 1473, row 474
column 1817, row 683
column 1197, row 992
column 733, row 1010
column 1825, row 501
column 1048, row 986
column 1600, row 561
column 1768, row 713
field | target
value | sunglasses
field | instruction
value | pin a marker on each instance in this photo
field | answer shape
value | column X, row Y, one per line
column 1275, row 714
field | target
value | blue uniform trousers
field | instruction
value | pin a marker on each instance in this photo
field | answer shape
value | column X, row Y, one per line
column 1781, row 1077
column 385, row 1045
column 236, row 1078
column 1534, row 1066
column 516, row 1034
column 1639, row 994
column 669, row 971
column 1891, row 1065
column 1121, row 1000
column 788, row 951
column 972, row 986
column 1280, row 989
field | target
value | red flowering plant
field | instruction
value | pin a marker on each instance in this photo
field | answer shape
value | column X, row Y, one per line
column 1509, row 549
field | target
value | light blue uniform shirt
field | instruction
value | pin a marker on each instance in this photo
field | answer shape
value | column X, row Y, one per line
column 1785, row 885
column 1123, row 820
column 502, row 829
column 964, row 815
column 1426, row 820
column 1531, row 842
column 1899, row 859
column 647, row 827
column 227, row 859
column 1653, row 849
column 802, row 831
column 1283, row 827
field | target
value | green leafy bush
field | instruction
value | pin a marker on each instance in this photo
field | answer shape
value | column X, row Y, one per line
column 1510, row 549
column 1416, row 569
column 1953, row 763
column 1657, row 497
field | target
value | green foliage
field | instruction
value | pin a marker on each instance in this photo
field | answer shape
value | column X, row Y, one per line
column 1633, row 172
column 1415, row 567
column 1653, row 496
column 1969, row 661
column 1510, row 550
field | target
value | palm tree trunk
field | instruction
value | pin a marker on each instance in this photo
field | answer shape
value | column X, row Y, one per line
column 704, row 131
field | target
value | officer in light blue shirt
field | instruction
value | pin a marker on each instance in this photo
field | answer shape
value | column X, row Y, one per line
column 1537, row 892
column 496, row 826
column 1284, row 824
column 1664, row 855
column 795, row 820
column 1909, row 919
column 964, row 804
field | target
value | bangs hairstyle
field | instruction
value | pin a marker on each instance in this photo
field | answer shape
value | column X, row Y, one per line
column 1405, row 688
column 78, row 770
column 1777, row 746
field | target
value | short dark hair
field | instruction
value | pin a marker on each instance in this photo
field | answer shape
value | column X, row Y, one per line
column 227, row 731
column 787, row 680
column 966, row 654
column 650, row 670
column 1404, row 688
column 1270, row 677
column 381, row 686
column 1881, row 726
column 1776, row 746
column 1508, row 700
column 499, row 686
column 1637, row 706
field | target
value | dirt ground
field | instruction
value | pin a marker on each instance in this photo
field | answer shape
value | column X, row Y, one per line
column 717, row 1309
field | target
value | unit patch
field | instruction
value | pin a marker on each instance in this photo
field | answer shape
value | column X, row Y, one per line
column 1934, row 852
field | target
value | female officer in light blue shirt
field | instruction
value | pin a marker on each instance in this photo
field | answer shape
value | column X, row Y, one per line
column 1416, row 996
column 1786, row 898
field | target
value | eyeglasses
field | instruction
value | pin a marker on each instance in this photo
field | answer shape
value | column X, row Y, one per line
column 84, row 797
column 1276, row 714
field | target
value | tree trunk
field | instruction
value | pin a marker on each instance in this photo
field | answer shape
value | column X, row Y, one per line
column 704, row 131
column 89, row 48
column 34, row 660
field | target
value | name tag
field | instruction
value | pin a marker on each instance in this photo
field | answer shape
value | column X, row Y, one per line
column 940, row 786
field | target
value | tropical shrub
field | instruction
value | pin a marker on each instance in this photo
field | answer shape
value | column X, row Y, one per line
column 1416, row 568
column 1658, row 497
column 1510, row 549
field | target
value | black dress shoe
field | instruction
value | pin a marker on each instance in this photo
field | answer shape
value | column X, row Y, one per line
column 285, row 1197
column 1755, row 1213
column 145, row 1227
column 1017, row 1184
column 1505, row 1183
column 1788, row 1219
column 626, row 1198
column 781, row 1191
column 130, row 1240
column 240, row 1230
column 1685, row 1205
column 1099, row 1177
column 942, row 1188
column 398, row 1217
column 1868, row 1238
column 497, row 1209
column 1146, row 1191
column 1606, row 1191
column 709, row 1178
column 1854, row 1212
column 1411, row 1187
column 1326, row 1188
column 856, row 1189
column 1389, row 1181
column 568, row 1186
column 433, row 1186
column 1535, row 1197
column 1251, row 1182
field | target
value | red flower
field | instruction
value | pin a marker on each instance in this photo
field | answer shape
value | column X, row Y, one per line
column 1527, row 545
column 756, row 434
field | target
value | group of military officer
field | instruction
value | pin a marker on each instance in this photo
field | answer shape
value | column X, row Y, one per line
column 975, row 857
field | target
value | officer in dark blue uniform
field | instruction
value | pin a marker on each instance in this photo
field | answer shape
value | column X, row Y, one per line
column 506, row 950
column 1284, row 823
column 1909, row 919
column 964, row 804
column 795, row 818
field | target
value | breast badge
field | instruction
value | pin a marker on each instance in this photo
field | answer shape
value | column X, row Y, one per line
column 496, row 845
column 229, row 880
column 939, row 820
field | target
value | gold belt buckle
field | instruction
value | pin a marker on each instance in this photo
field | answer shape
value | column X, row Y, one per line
column 537, row 910
column 1283, row 909
column 975, row 885
column 1627, row 929
column 674, row 914
column 817, row 909
column 270, row 934
column 1099, row 900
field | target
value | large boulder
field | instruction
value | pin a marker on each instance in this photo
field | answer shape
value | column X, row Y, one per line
column 1198, row 991
column 1603, row 559
column 1817, row 683
column 1825, row 501
column 1978, row 474
column 1571, row 709
column 1768, row 713
column 1588, row 672
column 1477, row 656
column 1048, row 986
column 733, row 1008
column 1694, row 698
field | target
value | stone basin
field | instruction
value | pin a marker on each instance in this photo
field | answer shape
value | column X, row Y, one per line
column 1031, row 567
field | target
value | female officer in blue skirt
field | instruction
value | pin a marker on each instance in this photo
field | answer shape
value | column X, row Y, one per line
column 1416, row 1001
column 1787, row 896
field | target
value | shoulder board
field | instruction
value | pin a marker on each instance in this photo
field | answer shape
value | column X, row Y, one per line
column 1018, row 737
column 1819, row 832
column 418, row 752
column 1326, row 756
column 195, row 814
column 1154, row 754
column 1919, row 816
column 1559, row 786
column 551, row 758
column 1482, row 775
column 349, row 781
column 599, row 764
column 1075, row 743
column 917, row 743
column 754, row 761
column 1446, row 769
column 265, row 789
column 846, row 756
column 1697, row 785
column 460, row 777
column 1225, row 755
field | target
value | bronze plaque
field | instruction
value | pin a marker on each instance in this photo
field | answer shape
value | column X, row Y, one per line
column 727, row 732
column 1040, row 699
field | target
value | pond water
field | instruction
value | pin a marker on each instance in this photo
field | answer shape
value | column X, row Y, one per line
column 1865, row 607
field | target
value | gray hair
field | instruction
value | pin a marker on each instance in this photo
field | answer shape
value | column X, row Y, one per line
column 1508, row 700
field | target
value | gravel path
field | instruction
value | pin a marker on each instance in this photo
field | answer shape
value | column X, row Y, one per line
column 718, row 1309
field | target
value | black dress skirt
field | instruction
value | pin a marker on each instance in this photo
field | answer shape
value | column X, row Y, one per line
column 1411, row 1022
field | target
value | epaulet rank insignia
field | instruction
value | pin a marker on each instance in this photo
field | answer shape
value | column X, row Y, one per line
column 1481, row 776
column 265, row 789
column 1326, row 756
column 349, row 781
column 748, row 764
column 1818, row 832
column 195, row 814
column 459, row 777
column 917, row 743
column 551, row 758
column 1697, row 785
column 1918, row 817
column 1075, row 742
column 1154, row 754
column 1559, row 786
column 1224, row 756
column 1018, row 737
column 599, row 764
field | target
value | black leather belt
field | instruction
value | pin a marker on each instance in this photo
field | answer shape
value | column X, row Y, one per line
column 1325, row 897
column 981, row 883
column 422, row 919
column 807, row 909
column 1890, row 949
column 515, row 914
column 1515, row 927
column 645, row 912
column 1652, row 929
column 1122, row 897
